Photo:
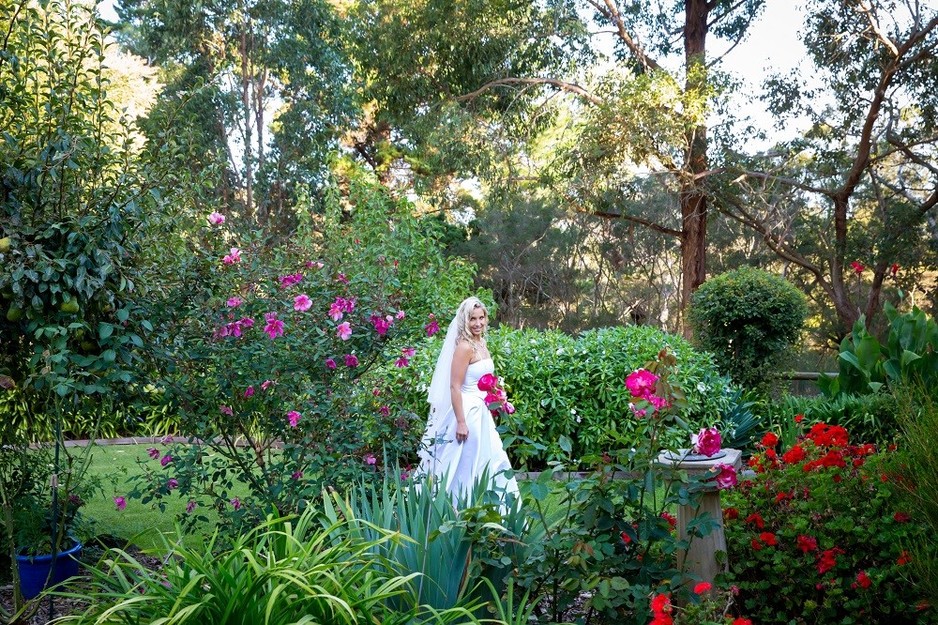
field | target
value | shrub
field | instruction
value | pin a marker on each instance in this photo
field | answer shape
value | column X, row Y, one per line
column 817, row 534
column 571, row 387
column 869, row 418
column 267, row 361
column 747, row 318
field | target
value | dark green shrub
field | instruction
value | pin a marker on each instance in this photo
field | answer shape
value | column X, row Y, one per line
column 869, row 418
column 748, row 318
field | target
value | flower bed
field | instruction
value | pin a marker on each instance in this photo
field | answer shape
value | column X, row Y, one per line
column 818, row 534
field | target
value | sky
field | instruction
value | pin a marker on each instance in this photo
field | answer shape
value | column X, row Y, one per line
column 771, row 46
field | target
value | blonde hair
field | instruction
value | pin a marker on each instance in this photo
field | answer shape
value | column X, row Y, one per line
column 462, row 317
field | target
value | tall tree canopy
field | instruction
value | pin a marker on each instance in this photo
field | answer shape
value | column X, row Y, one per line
column 851, row 202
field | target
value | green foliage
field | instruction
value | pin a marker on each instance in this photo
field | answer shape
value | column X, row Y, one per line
column 818, row 535
column 747, row 317
column 566, row 387
column 917, row 408
column 73, row 203
column 909, row 354
column 871, row 418
column 285, row 571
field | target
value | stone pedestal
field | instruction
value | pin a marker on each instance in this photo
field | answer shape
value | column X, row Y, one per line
column 700, row 559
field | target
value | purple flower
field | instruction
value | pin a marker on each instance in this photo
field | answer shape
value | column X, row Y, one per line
column 236, row 503
column 249, row 391
column 400, row 314
column 432, row 328
column 172, row 483
column 233, row 257
column 401, row 362
column 266, row 384
column 408, row 352
column 191, row 506
column 165, row 460
column 297, row 475
column 302, row 303
column 381, row 324
column 293, row 417
column 234, row 302
column 330, row 363
column 384, row 410
column 120, row 503
column 153, row 452
column 351, row 360
column 370, row 459
column 226, row 410
column 216, row 219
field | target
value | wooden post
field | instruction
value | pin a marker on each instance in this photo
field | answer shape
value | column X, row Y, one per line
column 700, row 560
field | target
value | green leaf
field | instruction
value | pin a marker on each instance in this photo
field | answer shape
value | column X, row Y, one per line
column 105, row 330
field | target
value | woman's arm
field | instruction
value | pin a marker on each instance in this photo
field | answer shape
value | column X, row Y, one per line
column 461, row 358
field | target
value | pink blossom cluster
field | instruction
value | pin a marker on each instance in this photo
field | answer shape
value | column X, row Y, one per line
column 216, row 218
column 233, row 257
column 382, row 324
column 290, row 279
column 641, row 384
column 274, row 327
column 495, row 397
column 340, row 306
column 234, row 328
column 432, row 327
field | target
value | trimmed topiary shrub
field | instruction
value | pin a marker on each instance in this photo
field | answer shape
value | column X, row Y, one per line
column 748, row 318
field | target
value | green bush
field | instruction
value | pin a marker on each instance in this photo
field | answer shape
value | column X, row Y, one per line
column 748, row 318
column 818, row 535
column 572, row 387
column 868, row 418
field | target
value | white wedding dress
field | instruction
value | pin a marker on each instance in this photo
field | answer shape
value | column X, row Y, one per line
column 459, row 465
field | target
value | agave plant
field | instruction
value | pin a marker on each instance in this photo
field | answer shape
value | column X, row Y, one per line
column 287, row 571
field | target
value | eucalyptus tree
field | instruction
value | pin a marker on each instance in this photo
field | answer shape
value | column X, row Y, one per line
column 467, row 88
column 258, row 89
column 861, row 185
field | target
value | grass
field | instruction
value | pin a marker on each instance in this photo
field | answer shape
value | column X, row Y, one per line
column 114, row 466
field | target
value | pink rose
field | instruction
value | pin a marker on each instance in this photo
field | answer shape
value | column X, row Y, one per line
column 726, row 478
column 707, row 441
column 641, row 383
column 487, row 382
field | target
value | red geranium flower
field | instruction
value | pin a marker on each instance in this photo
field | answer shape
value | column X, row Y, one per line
column 793, row 455
column 863, row 580
column 904, row 558
column 702, row 587
column 768, row 538
column 806, row 543
column 769, row 440
column 756, row 519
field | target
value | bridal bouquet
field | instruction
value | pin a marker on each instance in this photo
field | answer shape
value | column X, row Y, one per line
column 495, row 397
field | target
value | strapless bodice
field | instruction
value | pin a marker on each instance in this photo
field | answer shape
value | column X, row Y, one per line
column 475, row 371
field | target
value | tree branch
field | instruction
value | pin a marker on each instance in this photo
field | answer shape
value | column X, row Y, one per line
column 511, row 81
column 638, row 220
column 609, row 10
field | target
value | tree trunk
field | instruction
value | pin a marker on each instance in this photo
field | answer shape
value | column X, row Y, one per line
column 693, row 197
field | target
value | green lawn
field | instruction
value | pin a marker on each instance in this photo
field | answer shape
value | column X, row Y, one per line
column 141, row 524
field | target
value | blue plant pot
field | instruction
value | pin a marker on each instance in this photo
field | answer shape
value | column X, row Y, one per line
column 34, row 570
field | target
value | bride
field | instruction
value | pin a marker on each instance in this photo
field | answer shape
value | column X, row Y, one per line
column 461, row 442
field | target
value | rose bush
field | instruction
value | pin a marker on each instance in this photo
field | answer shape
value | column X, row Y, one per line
column 817, row 535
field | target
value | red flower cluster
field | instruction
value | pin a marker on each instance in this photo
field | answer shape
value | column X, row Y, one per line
column 661, row 610
column 825, row 435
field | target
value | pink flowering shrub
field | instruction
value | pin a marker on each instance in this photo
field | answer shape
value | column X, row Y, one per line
column 274, row 364
column 817, row 533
